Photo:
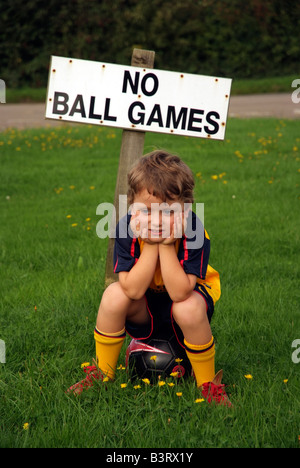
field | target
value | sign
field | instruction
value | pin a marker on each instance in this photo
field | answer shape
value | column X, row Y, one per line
column 136, row 98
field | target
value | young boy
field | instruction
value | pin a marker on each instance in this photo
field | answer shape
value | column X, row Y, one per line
column 165, row 282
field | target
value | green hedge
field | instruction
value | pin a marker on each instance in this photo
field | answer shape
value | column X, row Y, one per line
column 236, row 38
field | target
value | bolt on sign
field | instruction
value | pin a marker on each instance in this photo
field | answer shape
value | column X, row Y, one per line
column 135, row 98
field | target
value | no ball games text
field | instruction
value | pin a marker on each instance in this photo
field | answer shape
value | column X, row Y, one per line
column 135, row 98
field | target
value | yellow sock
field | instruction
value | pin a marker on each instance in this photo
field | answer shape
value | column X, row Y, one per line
column 202, row 359
column 108, row 347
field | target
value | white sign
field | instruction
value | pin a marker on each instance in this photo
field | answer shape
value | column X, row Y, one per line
column 135, row 98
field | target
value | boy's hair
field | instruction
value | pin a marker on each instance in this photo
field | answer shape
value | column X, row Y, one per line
column 164, row 175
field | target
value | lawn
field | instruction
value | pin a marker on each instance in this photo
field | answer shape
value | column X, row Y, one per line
column 52, row 267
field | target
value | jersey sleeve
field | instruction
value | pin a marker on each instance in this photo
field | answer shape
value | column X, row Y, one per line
column 126, row 248
column 194, row 248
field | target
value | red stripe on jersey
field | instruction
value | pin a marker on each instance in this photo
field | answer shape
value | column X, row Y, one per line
column 132, row 247
column 116, row 265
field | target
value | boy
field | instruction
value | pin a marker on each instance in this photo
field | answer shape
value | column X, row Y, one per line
column 161, row 255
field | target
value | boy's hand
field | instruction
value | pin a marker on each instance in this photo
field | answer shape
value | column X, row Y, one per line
column 136, row 227
column 177, row 229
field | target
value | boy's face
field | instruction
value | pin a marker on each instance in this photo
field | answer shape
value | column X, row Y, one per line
column 154, row 220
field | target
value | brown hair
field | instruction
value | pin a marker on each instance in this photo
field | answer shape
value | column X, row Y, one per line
column 164, row 175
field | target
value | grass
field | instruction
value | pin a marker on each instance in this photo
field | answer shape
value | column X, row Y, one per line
column 239, row 87
column 52, row 275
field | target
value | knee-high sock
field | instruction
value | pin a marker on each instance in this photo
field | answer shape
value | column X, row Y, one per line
column 108, row 347
column 202, row 359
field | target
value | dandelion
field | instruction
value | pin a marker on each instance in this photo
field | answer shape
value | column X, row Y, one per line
column 285, row 381
column 121, row 367
column 161, row 383
column 136, row 387
column 178, row 360
column 179, row 394
column 171, row 384
column 88, row 219
column 214, row 177
column 106, row 379
column 26, row 426
column 248, row 376
column 84, row 364
column 69, row 216
column 146, row 381
column 72, row 187
column 123, row 385
column 92, row 187
column 74, row 224
column 153, row 358
column 199, row 400
column 174, row 374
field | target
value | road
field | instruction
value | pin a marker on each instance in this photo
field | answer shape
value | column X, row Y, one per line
column 265, row 105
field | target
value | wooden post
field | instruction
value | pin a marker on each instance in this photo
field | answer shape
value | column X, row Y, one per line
column 132, row 148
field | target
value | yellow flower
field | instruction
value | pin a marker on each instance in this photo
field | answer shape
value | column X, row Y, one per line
column 92, row 187
column 121, row 367
column 171, row 384
column 74, row 224
column 248, row 376
column 26, row 426
column 285, row 381
column 174, row 374
column 106, row 379
column 179, row 394
column 161, row 383
column 69, row 216
column 84, row 364
column 88, row 219
column 146, row 381
column 123, row 385
column 72, row 187
column 178, row 360
column 136, row 387
column 153, row 358
column 199, row 400
column 214, row 177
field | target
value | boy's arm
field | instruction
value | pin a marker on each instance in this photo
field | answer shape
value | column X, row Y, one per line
column 178, row 284
column 136, row 281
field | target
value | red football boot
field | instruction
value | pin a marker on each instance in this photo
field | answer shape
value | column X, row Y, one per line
column 93, row 373
column 215, row 391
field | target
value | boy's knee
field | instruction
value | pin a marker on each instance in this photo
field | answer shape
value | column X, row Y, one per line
column 114, row 295
column 191, row 311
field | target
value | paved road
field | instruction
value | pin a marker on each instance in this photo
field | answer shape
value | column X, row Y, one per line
column 265, row 105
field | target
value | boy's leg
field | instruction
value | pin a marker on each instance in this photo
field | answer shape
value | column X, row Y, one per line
column 191, row 316
column 115, row 308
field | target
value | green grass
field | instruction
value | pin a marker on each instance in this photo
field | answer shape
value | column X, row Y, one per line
column 239, row 87
column 52, row 275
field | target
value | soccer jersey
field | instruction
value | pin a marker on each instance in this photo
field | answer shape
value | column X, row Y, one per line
column 193, row 260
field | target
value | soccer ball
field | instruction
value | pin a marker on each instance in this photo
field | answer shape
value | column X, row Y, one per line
column 157, row 357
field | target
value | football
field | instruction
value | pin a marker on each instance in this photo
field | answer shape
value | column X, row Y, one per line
column 157, row 358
